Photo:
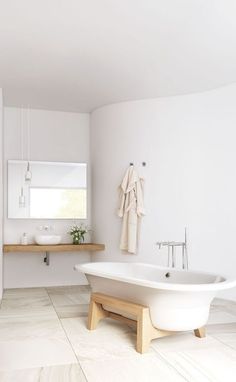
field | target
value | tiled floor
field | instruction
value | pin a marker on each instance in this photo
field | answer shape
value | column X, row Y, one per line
column 43, row 338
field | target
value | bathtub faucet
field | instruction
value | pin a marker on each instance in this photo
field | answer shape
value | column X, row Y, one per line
column 171, row 245
column 163, row 243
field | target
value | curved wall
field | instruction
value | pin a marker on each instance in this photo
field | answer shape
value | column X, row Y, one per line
column 1, row 193
column 188, row 143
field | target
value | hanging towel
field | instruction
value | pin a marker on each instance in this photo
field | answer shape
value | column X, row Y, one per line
column 131, row 209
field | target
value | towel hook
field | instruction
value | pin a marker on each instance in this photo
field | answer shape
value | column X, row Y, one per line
column 143, row 164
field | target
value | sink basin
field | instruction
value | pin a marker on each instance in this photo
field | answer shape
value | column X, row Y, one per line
column 47, row 239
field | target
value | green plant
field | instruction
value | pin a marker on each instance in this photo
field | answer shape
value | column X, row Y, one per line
column 77, row 233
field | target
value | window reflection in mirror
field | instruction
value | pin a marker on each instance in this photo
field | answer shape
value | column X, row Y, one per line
column 56, row 190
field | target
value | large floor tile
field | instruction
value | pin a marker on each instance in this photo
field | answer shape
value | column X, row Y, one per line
column 25, row 298
column 227, row 338
column 69, row 289
column 223, row 303
column 221, row 328
column 69, row 298
column 69, row 311
column 221, row 317
column 198, row 360
column 33, row 342
column 42, row 311
column 139, row 368
column 60, row 373
column 69, row 295
column 224, row 306
column 18, row 328
column 24, row 292
column 32, row 302
column 110, row 340
column 183, row 341
column 35, row 353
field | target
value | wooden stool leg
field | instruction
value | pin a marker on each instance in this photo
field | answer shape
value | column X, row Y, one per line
column 96, row 313
column 143, row 331
column 200, row 332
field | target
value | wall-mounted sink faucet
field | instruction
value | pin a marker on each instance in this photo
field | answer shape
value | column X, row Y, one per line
column 171, row 246
column 46, row 228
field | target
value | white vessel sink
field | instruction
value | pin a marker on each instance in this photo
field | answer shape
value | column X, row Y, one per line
column 47, row 239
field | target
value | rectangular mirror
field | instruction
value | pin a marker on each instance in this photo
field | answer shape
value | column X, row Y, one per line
column 47, row 190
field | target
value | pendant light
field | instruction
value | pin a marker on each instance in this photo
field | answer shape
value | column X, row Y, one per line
column 28, row 174
column 22, row 198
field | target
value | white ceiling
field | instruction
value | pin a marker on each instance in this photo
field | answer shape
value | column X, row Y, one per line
column 77, row 55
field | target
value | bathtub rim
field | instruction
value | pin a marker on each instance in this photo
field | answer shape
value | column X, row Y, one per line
column 228, row 283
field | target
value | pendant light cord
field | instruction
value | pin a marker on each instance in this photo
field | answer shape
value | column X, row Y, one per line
column 28, row 134
column 21, row 133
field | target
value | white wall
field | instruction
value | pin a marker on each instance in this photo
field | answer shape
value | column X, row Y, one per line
column 188, row 143
column 55, row 136
column 1, row 193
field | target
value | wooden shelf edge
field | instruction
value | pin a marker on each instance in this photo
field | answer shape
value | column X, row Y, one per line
column 90, row 247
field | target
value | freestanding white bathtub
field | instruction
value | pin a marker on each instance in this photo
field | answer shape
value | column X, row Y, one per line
column 178, row 300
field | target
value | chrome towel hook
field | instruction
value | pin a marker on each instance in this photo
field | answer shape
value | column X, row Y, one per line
column 143, row 164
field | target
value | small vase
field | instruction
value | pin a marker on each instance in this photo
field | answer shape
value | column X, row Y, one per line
column 76, row 240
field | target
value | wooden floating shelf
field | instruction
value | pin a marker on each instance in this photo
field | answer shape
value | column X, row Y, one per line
column 53, row 248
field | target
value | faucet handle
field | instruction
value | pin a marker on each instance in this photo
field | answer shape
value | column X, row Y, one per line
column 162, row 243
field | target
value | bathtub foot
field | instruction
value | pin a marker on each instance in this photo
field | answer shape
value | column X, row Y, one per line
column 200, row 332
column 96, row 313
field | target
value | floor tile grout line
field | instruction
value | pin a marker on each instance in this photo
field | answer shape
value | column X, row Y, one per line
column 66, row 335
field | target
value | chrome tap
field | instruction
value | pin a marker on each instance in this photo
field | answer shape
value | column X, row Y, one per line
column 171, row 245
column 163, row 243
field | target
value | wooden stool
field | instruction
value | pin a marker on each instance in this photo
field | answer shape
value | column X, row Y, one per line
column 142, row 322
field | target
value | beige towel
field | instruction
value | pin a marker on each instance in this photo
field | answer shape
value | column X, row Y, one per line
column 131, row 209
